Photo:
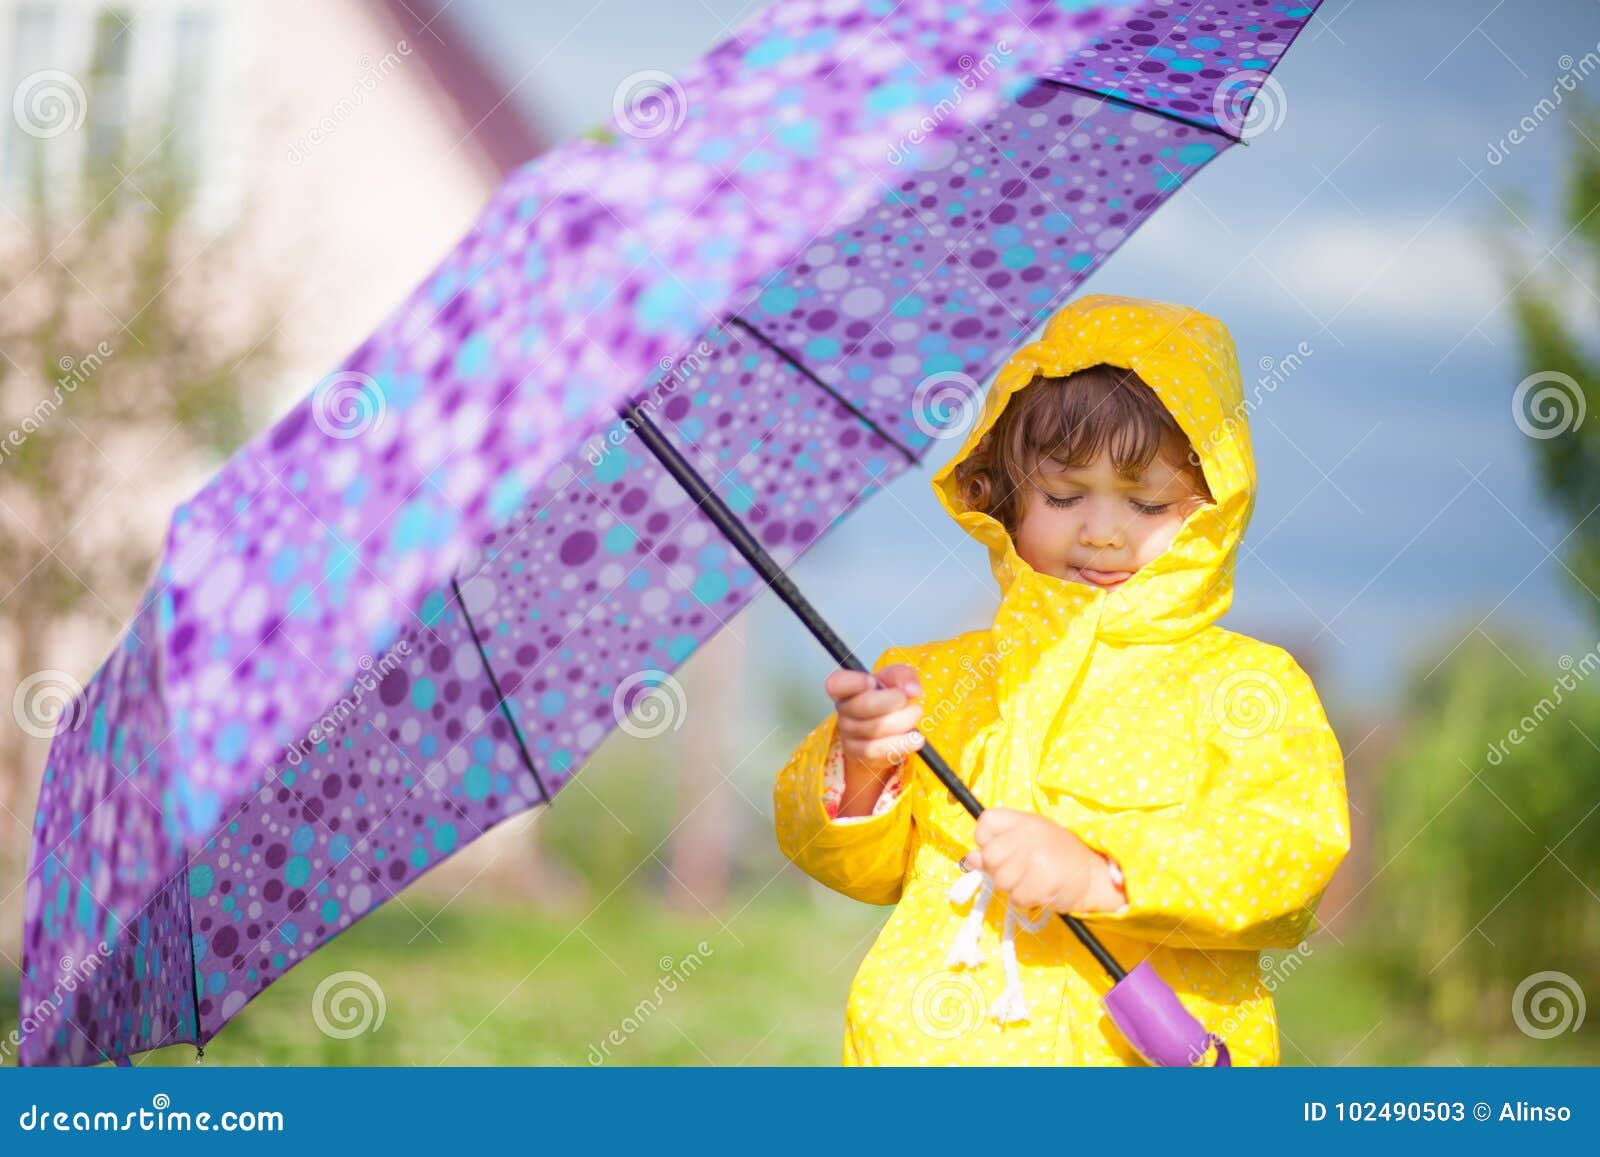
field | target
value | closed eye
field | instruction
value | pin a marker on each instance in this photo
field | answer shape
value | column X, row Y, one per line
column 1059, row 503
column 1150, row 508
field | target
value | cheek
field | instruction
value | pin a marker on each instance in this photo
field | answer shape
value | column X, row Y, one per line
column 1157, row 538
column 1027, row 531
column 1039, row 527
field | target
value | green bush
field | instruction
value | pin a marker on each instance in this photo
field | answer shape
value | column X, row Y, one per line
column 1488, row 833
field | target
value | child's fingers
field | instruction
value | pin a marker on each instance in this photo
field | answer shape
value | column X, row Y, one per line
column 872, row 704
column 996, row 820
column 1006, row 869
column 902, row 677
column 894, row 749
column 896, row 722
column 865, row 694
column 844, row 683
column 1000, row 850
column 973, row 861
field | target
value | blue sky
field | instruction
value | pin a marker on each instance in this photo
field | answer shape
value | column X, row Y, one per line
column 1397, row 505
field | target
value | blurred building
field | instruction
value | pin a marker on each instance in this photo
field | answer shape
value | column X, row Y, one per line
column 350, row 142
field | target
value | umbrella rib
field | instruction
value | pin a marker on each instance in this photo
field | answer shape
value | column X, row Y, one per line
column 1133, row 104
column 194, row 969
column 805, row 372
column 500, row 696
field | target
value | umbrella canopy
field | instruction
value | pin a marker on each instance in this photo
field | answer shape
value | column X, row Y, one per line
column 415, row 606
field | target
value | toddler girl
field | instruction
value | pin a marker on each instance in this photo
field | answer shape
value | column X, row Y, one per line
column 1174, row 784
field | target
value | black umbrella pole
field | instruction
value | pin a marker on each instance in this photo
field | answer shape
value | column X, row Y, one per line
column 773, row 575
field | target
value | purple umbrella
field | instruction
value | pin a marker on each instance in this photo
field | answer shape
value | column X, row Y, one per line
column 414, row 607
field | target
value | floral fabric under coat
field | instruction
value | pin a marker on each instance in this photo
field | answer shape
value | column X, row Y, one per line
column 1200, row 759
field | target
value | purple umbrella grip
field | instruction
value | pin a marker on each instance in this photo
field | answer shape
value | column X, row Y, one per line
column 1146, row 1011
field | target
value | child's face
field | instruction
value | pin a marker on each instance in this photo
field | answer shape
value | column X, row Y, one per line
column 1092, row 525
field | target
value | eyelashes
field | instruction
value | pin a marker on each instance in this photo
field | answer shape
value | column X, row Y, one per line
column 1150, row 508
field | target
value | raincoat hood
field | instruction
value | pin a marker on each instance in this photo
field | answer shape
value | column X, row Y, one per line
column 1189, row 359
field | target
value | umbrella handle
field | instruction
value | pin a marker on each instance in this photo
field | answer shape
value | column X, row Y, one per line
column 1166, row 1032
column 1148, row 1013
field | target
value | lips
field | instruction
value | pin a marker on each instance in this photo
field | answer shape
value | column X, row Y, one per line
column 1104, row 578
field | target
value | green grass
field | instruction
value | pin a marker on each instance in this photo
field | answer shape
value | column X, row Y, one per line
column 1348, row 1005
column 485, row 981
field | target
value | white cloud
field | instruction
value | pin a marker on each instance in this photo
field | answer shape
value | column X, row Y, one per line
column 1402, row 272
column 1347, row 271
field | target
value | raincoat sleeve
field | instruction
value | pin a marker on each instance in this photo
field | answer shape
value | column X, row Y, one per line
column 1244, row 863
column 864, row 857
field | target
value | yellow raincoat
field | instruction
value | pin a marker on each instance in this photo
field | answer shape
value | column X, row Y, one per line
column 1200, row 759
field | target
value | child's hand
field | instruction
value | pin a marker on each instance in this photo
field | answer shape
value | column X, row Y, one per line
column 877, row 716
column 1038, row 863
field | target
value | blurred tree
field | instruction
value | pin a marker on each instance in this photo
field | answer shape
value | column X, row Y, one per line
column 1489, row 835
column 1557, row 314
column 122, row 370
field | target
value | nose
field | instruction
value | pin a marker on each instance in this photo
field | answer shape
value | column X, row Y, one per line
column 1100, row 529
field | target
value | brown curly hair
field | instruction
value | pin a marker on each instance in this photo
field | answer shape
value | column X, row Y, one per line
column 1071, row 420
